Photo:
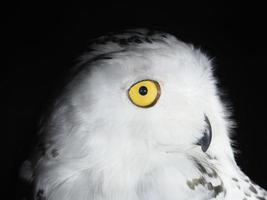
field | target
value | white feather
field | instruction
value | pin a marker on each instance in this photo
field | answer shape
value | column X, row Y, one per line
column 99, row 146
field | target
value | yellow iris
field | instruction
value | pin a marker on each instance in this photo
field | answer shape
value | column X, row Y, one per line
column 144, row 93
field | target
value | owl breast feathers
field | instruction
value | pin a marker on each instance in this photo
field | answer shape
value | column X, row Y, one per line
column 140, row 119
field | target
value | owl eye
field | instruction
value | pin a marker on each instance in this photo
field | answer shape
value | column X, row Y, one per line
column 144, row 93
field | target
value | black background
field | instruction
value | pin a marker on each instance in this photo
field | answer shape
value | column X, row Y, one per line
column 44, row 41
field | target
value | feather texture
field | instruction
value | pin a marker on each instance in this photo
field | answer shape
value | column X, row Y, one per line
column 97, row 145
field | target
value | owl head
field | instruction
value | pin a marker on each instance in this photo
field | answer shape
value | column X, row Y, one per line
column 137, row 101
column 140, row 92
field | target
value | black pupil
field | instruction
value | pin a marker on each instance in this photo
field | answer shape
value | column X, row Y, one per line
column 143, row 90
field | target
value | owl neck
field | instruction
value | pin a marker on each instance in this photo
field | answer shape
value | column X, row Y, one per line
column 236, row 184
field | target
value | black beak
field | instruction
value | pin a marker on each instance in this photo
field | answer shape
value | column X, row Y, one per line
column 205, row 141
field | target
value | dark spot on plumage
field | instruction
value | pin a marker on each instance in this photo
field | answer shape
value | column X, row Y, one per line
column 195, row 182
column 200, row 167
column 238, row 186
column 203, row 170
column 213, row 174
column 235, row 179
column 192, row 184
column 253, row 189
column 123, row 42
column 163, row 35
column 210, row 186
column 148, row 40
column 138, row 40
column 54, row 153
column 247, row 194
column 40, row 195
column 96, row 58
column 209, row 156
column 218, row 189
column 202, row 181
column 245, row 198
column 246, row 180
column 261, row 198
column 134, row 39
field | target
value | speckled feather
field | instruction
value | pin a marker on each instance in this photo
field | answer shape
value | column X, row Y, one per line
column 97, row 145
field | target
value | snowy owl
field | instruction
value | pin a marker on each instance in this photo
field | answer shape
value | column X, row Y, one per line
column 140, row 119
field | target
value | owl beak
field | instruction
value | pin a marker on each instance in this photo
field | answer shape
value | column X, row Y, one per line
column 205, row 141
